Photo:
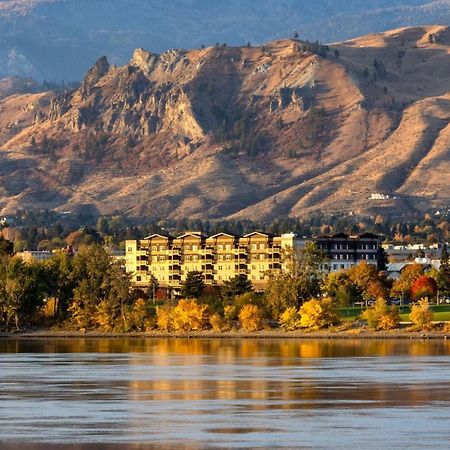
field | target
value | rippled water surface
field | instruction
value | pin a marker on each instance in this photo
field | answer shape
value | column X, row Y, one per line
column 196, row 394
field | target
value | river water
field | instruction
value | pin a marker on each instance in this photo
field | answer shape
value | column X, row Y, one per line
column 79, row 394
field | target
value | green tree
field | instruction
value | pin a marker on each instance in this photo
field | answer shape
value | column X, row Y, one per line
column 300, row 281
column 152, row 287
column 238, row 285
column 193, row 287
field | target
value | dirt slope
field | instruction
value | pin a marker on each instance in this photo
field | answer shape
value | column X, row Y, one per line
column 283, row 129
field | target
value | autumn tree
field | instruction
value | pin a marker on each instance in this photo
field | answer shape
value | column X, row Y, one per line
column 402, row 286
column 318, row 313
column 423, row 286
column 421, row 315
column 380, row 316
column 300, row 281
column 251, row 318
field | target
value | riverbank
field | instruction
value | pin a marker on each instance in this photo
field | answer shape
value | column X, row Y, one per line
column 266, row 334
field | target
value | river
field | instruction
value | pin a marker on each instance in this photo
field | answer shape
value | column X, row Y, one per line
column 91, row 394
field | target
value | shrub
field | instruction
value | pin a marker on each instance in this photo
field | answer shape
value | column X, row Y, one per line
column 251, row 318
column 164, row 318
column 381, row 317
column 230, row 314
column 289, row 319
column 189, row 315
column 421, row 315
column 317, row 314
column 138, row 316
column 217, row 323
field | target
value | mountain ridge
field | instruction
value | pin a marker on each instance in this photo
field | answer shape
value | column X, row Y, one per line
column 59, row 39
column 286, row 128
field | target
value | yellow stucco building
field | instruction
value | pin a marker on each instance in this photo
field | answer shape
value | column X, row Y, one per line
column 219, row 257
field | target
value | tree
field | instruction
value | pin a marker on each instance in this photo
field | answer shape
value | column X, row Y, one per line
column 251, row 318
column 402, row 286
column 238, row 285
column 368, row 281
column 152, row 287
column 300, row 281
column 296, row 35
column 193, row 287
column 421, row 315
column 6, row 247
column 100, row 283
column 316, row 314
column 381, row 317
column 423, row 287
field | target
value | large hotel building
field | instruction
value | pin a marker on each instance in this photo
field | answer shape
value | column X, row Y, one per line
column 224, row 256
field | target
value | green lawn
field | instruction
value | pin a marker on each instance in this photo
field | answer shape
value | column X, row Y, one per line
column 441, row 313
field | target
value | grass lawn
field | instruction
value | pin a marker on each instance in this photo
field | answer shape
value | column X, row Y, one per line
column 441, row 313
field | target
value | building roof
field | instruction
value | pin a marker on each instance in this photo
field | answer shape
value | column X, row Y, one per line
column 158, row 235
column 224, row 234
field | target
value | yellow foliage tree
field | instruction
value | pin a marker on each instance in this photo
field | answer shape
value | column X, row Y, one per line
column 189, row 315
column 381, row 317
column 251, row 318
column 138, row 316
column 289, row 319
column 317, row 314
column 217, row 323
column 164, row 318
column 421, row 315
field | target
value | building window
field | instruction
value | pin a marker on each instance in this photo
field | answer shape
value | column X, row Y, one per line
column 220, row 247
column 154, row 248
column 220, row 257
column 228, row 247
column 262, row 256
column 130, row 249
column 138, row 278
column 254, row 247
column 195, row 248
column 228, row 257
column 262, row 246
column 220, row 268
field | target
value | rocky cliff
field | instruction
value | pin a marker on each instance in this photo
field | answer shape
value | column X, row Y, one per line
column 281, row 129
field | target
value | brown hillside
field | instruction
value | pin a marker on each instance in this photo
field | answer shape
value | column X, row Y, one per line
column 241, row 132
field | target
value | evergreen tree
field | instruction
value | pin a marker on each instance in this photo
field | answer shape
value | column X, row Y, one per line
column 194, row 285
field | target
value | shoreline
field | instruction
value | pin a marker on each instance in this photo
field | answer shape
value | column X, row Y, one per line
column 276, row 335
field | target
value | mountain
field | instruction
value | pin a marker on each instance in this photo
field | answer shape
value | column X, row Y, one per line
column 286, row 128
column 59, row 39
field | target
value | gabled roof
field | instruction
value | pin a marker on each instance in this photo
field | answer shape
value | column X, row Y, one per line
column 260, row 233
column 158, row 235
column 223, row 234
column 198, row 235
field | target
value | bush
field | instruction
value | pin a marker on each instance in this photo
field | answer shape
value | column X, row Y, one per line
column 188, row 315
column 217, row 323
column 289, row 319
column 230, row 314
column 421, row 315
column 381, row 317
column 164, row 318
column 251, row 318
column 138, row 316
column 317, row 314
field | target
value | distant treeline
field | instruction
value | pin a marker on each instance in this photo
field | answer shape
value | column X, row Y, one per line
column 45, row 229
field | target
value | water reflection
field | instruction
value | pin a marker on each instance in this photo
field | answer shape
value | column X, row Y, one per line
column 189, row 394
